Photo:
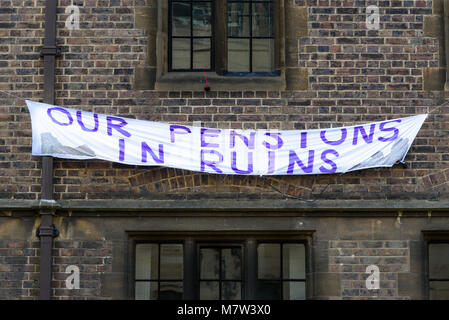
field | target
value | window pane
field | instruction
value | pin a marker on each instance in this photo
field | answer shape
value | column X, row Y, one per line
column 293, row 255
column 439, row 260
column 181, row 53
column 231, row 290
column 268, row 290
column 209, row 263
column 238, row 55
column 146, row 290
column 146, row 261
column 202, row 19
column 269, row 261
column 171, row 261
column 238, row 19
column 171, row 291
column 439, row 290
column 263, row 55
column 294, row 290
column 231, row 262
column 209, row 290
column 262, row 19
column 181, row 19
column 201, row 53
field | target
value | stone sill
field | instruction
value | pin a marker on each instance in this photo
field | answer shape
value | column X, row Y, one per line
column 194, row 81
column 423, row 208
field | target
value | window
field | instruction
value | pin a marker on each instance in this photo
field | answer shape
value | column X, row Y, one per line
column 250, row 37
column 235, row 36
column 159, row 271
column 281, row 271
column 190, row 43
column 438, row 271
column 240, row 45
column 221, row 273
column 220, row 267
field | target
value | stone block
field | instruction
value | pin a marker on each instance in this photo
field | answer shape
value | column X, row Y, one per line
column 434, row 26
column 411, row 285
column 434, row 79
column 144, row 78
column 438, row 7
column 297, row 79
column 327, row 284
column 146, row 18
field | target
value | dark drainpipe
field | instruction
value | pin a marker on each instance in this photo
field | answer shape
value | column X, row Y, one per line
column 47, row 231
column 446, row 41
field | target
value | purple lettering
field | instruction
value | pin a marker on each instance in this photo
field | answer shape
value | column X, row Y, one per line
column 333, row 164
column 69, row 116
column 80, row 122
column 121, row 147
column 173, row 127
column 279, row 143
column 344, row 133
column 211, row 163
column 361, row 129
column 249, row 142
column 146, row 148
column 117, row 126
column 271, row 160
column 212, row 133
column 303, row 139
column 293, row 158
column 395, row 133
column 234, row 163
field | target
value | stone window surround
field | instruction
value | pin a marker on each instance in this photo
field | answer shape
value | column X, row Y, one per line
column 248, row 239
column 437, row 26
column 290, row 25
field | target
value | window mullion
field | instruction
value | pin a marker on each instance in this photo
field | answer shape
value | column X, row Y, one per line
column 219, row 274
column 251, row 36
column 250, row 259
column 190, row 270
column 191, row 35
column 282, row 271
column 159, row 271
column 220, row 31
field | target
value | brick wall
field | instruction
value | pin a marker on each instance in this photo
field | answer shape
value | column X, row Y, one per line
column 19, row 266
column 93, row 258
column 343, row 55
column 355, row 76
column 351, row 258
column 21, row 36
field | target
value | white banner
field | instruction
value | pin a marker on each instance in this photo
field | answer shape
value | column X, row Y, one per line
column 74, row 134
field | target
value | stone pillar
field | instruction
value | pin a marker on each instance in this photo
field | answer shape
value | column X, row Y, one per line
column 446, row 41
column 434, row 79
column 146, row 18
column 296, row 27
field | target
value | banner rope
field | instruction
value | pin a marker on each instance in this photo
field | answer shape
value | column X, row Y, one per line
column 437, row 107
column 294, row 197
column 12, row 95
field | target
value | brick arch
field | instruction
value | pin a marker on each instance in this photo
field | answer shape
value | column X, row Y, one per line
column 178, row 181
column 434, row 181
